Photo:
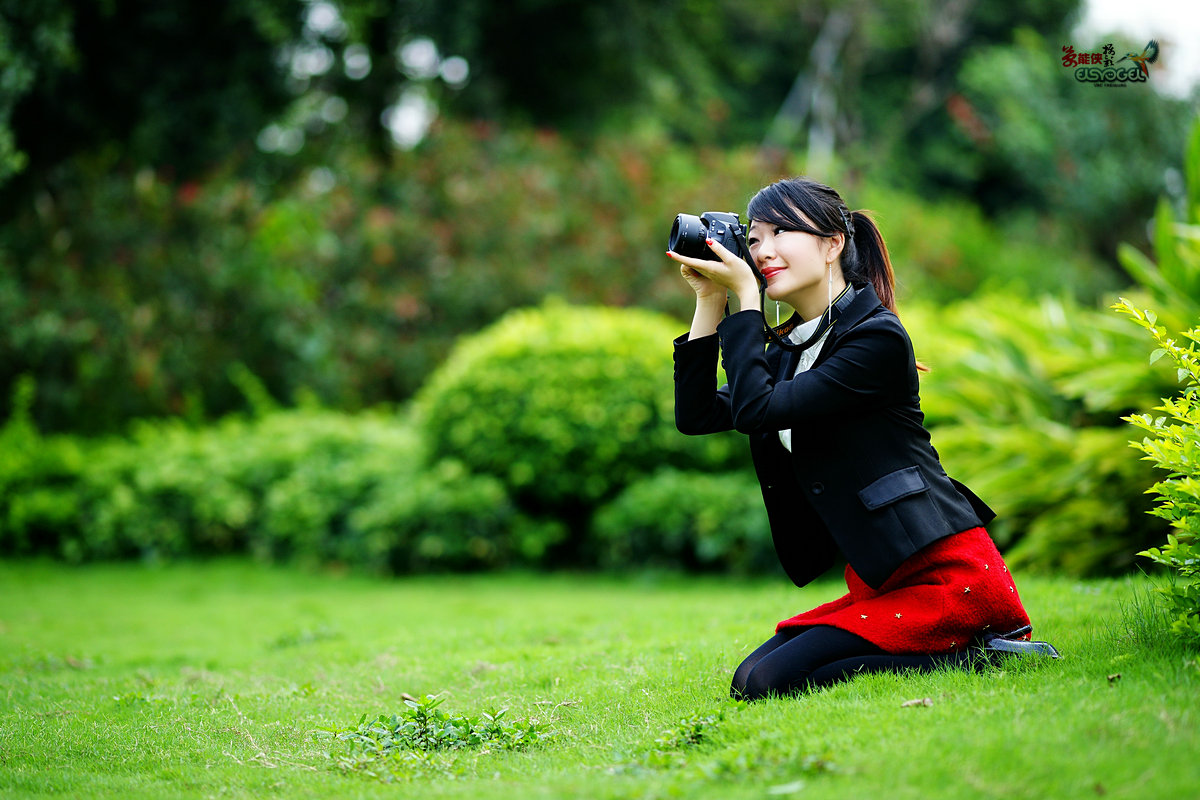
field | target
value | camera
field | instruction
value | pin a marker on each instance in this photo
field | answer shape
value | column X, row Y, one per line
column 689, row 233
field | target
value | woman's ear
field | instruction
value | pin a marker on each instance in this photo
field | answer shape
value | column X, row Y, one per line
column 837, row 243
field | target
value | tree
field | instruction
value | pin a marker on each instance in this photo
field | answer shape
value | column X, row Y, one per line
column 34, row 39
column 1028, row 135
column 177, row 87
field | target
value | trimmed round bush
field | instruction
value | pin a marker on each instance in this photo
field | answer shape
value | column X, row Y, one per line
column 565, row 405
column 442, row 518
column 700, row 521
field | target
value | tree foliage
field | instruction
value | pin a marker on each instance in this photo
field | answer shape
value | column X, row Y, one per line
column 128, row 296
column 1031, row 135
column 179, row 87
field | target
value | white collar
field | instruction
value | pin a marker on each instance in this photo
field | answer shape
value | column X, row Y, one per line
column 801, row 332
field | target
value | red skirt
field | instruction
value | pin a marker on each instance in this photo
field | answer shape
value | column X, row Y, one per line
column 939, row 600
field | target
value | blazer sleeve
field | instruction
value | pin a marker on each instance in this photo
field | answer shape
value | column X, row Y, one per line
column 700, row 407
column 867, row 367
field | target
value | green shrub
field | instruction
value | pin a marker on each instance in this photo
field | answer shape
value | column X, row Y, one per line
column 565, row 405
column 1172, row 443
column 39, row 479
column 713, row 521
column 172, row 490
column 443, row 518
column 306, row 485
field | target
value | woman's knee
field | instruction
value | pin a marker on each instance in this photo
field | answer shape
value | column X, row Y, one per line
column 737, row 688
column 761, row 683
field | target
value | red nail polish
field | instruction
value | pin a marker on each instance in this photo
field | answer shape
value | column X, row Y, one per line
column 708, row 242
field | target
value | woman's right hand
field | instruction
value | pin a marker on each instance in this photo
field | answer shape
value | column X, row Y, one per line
column 703, row 287
column 701, row 284
column 710, row 299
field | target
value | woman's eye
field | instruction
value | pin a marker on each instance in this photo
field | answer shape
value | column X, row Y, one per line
column 752, row 241
column 779, row 230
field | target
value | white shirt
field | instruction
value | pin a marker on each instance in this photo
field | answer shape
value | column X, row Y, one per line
column 799, row 335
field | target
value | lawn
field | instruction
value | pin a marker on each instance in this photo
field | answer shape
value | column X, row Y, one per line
column 225, row 680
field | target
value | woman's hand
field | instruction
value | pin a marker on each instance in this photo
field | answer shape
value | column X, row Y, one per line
column 714, row 278
column 703, row 286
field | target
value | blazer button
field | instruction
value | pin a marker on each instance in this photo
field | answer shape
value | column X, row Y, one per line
column 817, row 487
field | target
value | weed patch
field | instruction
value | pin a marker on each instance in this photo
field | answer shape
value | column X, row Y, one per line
column 424, row 739
column 701, row 749
column 670, row 749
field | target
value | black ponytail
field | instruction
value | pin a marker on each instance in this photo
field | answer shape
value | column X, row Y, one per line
column 865, row 258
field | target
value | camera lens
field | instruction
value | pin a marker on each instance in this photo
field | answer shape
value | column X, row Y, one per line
column 687, row 237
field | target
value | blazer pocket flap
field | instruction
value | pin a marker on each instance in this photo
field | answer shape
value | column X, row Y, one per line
column 894, row 486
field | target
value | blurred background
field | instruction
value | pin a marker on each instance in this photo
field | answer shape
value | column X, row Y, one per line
column 379, row 283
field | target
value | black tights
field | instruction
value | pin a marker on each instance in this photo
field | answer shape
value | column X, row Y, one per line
column 799, row 659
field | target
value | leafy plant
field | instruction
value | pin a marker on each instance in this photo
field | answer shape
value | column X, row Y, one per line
column 1172, row 443
column 668, row 750
column 406, row 743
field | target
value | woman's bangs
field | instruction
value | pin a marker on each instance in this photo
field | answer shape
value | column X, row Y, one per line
column 774, row 207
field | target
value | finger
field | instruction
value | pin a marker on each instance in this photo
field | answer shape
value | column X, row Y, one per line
column 701, row 265
column 724, row 253
column 717, row 247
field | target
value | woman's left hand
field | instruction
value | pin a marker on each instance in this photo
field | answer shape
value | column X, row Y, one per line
column 730, row 272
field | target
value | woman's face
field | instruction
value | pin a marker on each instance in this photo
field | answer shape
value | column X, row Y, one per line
column 795, row 264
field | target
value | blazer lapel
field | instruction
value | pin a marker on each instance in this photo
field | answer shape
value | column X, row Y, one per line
column 787, row 364
column 865, row 301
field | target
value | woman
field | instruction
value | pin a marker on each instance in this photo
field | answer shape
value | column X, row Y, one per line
column 843, row 458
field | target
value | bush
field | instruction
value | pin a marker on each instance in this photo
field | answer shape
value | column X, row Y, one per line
column 565, row 406
column 445, row 518
column 307, row 485
column 1172, row 444
column 39, row 478
column 172, row 490
column 1173, row 439
column 702, row 521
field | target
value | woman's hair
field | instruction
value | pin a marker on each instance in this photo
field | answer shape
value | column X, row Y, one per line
column 864, row 256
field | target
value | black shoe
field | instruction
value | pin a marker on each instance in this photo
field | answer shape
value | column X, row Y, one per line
column 1011, row 643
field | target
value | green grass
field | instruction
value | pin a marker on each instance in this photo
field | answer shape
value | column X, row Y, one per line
column 216, row 680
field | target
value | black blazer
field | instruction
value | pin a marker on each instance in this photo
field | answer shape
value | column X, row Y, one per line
column 862, row 477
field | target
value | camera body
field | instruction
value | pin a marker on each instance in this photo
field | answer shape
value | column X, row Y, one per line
column 689, row 233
